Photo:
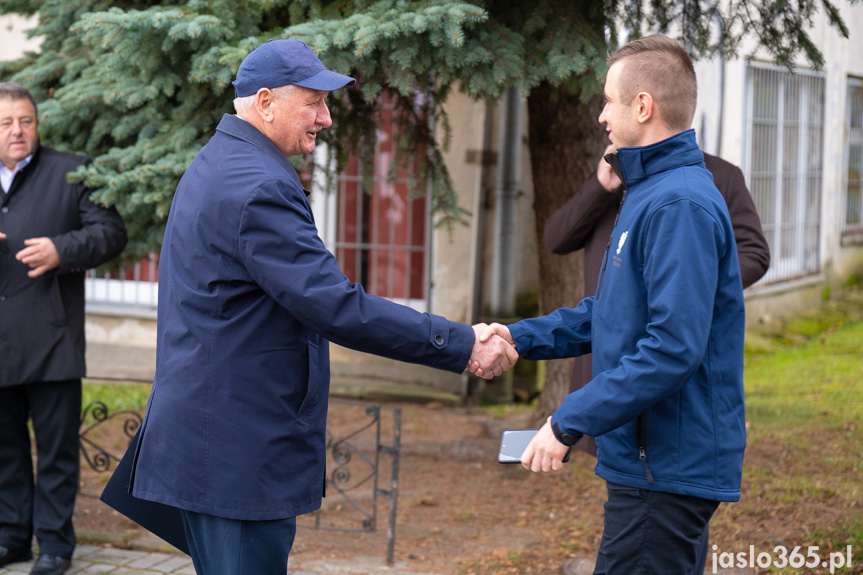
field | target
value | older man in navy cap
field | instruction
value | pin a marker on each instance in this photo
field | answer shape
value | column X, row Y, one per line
column 234, row 434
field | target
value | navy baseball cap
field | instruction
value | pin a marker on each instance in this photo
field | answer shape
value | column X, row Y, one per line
column 282, row 62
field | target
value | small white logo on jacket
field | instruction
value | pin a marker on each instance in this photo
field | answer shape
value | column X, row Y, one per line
column 622, row 241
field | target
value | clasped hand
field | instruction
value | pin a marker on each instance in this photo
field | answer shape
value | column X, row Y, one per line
column 493, row 350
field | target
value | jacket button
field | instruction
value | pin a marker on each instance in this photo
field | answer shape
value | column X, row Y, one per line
column 2, row 297
column 438, row 339
column 5, row 209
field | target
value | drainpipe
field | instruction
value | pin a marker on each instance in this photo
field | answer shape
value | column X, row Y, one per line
column 505, row 206
column 505, row 222
column 484, row 158
column 430, row 228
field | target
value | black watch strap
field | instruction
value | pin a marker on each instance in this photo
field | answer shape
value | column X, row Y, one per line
column 567, row 439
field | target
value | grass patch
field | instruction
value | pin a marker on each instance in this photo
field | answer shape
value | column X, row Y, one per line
column 508, row 410
column 849, row 534
column 804, row 408
column 117, row 396
column 818, row 383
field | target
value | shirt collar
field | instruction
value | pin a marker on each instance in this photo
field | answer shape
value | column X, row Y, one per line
column 7, row 175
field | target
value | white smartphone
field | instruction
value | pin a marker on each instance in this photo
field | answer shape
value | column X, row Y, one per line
column 513, row 443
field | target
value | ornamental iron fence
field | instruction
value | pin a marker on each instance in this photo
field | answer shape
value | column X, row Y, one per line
column 95, row 423
column 354, row 465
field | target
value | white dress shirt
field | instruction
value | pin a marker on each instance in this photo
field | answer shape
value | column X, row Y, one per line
column 7, row 175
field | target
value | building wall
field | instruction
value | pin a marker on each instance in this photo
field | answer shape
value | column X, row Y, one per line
column 13, row 36
column 454, row 251
column 454, row 255
column 462, row 257
column 525, row 271
column 720, row 123
column 843, row 60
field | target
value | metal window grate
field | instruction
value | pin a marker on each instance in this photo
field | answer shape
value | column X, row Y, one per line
column 132, row 285
column 382, row 236
column 784, row 155
column 852, row 207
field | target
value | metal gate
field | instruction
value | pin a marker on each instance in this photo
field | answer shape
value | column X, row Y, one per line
column 353, row 483
column 98, row 456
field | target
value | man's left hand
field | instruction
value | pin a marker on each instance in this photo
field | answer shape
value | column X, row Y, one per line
column 40, row 254
column 544, row 452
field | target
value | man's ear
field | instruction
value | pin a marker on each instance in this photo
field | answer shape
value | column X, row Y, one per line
column 644, row 107
column 264, row 101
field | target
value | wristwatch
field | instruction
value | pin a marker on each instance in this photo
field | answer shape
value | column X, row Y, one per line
column 565, row 438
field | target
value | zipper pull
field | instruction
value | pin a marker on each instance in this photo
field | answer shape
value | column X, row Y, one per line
column 643, row 457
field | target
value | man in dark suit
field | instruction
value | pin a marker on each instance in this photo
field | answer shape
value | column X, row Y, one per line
column 249, row 296
column 50, row 234
column 587, row 219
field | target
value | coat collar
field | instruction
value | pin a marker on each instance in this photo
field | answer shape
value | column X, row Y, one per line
column 239, row 128
column 639, row 162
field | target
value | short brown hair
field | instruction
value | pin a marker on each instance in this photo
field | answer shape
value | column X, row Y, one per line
column 14, row 91
column 661, row 67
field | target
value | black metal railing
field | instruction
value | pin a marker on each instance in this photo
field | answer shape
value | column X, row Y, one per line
column 353, row 466
column 353, row 478
column 100, row 457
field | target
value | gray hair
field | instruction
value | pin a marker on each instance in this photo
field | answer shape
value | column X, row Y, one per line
column 246, row 103
column 15, row 91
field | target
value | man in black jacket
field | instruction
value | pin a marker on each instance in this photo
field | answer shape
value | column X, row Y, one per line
column 50, row 234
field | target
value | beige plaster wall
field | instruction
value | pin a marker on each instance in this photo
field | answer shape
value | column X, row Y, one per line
column 527, row 263
column 13, row 36
column 841, row 60
column 454, row 250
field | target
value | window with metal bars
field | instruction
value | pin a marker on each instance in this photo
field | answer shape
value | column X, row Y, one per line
column 783, row 161
column 852, row 206
column 133, row 284
column 382, row 233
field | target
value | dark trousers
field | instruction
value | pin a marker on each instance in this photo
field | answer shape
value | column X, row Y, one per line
column 221, row 546
column 46, row 505
column 701, row 554
column 652, row 532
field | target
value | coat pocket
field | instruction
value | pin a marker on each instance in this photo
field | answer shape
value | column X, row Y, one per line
column 317, row 372
column 58, row 308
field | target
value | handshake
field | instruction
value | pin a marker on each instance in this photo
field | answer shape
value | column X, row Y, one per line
column 493, row 350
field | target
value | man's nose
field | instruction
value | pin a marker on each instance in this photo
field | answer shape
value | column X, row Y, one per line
column 324, row 118
column 16, row 127
column 602, row 119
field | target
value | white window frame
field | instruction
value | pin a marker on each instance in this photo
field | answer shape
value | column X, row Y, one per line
column 117, row 295
column 853, row 232
column 795, row 240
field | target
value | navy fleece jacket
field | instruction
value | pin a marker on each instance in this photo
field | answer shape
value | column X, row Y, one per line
column 666, row 331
